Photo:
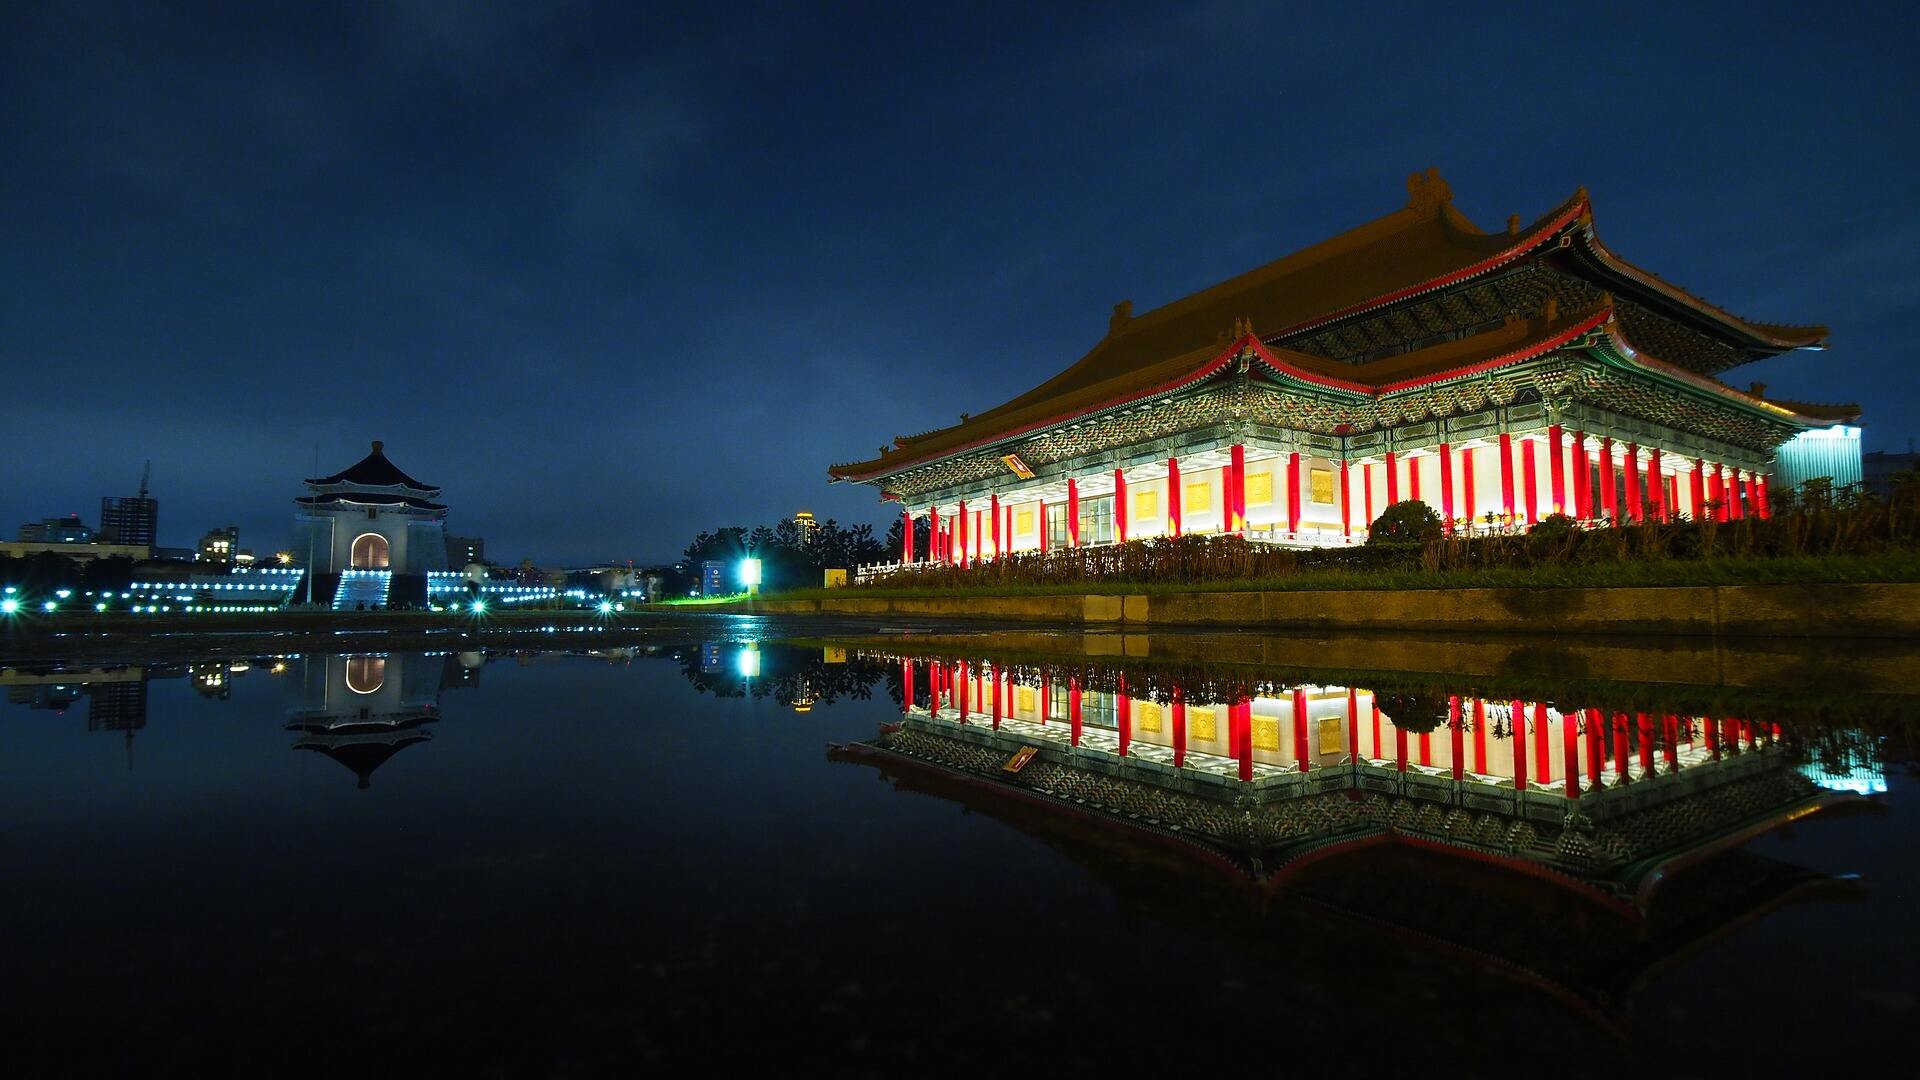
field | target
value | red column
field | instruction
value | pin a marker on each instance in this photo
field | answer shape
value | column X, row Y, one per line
column 1556, row 469
column 1300, row 726
column 1570, row 751
column 1470, row 504
column 1046, row 698
column 1632, row 464
column 1532, row 481
column 1399, row 747
column 1719, row 491
column 1506, row 475
column 1710, row 730
column 1519, row 746
column 1457, row 747
column 1366, row 483
column 1293, row 492
column 1073, row 513
column 1234, row 503
column 1582, row 478
column 906, row 685
column 1393, row 482
column 1609, row 497
column 1670, row 741
column 1346, row 503
column 1173, row 499
column 1120, row 506
column 1413, row 478
column 1699, row 487
column 960, row 553
column 933, row 534
column 1760, row 489
column 1479, row 736
column 1123, row 715
column 1073, row 707
column 906, row 546
column 1376, row 730
column 1426, row 748
column 1620, row 747
column 1179, row 710
column 1446, row 485
column 1656, row 486
column 994, row 508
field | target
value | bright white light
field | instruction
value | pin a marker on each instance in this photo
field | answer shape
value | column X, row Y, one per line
column 606, row 607
column 479, row 607
column 9, row 605
column 749, row 662
column 750, row 572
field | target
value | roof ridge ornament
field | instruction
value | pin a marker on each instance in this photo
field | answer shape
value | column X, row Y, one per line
column 1427, row 192
column 1122, row 315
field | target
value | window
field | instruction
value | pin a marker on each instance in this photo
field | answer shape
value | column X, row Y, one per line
column 1199, row 496
column 1056, row 525
column 1096, row 520
column 1096, row 710
column 1259, row 489
column 1323, row 486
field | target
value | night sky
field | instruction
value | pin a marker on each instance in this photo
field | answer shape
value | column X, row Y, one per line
column 613, row 276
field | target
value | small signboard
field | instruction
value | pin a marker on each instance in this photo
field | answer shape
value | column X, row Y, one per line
column 1019, row 759
column 1017, row 466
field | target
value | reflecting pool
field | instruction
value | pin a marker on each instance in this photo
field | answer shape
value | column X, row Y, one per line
column 913, row 852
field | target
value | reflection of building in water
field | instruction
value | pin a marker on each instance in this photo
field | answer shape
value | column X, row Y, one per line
column 1354, row 823
column 116, row 697
column 361, row 710
column 1601, row 794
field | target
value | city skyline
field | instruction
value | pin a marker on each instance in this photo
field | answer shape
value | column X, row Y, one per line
column 613, row 279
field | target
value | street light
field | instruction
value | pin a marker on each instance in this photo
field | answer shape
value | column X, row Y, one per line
column 750, row 574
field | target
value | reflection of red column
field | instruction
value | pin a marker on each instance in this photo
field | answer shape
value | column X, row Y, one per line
column 906, row 685
column 1073, row 708
column 1179, row 710
column 1377, row 753
column 1620, row 747
column 1119, row 506
column 1710, row 728
column 1480, row 736
column 1646, row 743
column 960, row 682
column 1300, row 726
column 1243, row 717
column 1046, row 699
column 1399, row 746
column 1353, row 724
column 1595, row 757
column 994, row 681
column 1519, row 746
column 1671, row 731
column 1542, row 751
column 1457, row 748
column 1570, row 751
column 1123, row 715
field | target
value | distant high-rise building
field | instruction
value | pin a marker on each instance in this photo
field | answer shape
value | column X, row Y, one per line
column 57, row 530
column 132, row 519
column 219, row 545
column 464, row 551
column 807, row 525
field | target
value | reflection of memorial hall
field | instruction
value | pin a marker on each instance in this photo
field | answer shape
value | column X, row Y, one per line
column 1598, row 793
column 363, row 709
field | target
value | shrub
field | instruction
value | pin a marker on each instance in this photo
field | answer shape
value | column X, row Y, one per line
column 1406, row 522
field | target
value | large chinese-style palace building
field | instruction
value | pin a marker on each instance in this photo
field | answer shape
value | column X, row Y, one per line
column 370, row 535
column 1499, row 377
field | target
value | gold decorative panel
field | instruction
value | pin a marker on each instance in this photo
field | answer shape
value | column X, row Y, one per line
column 1146, row 505
column 1200, row 726
column 1259, row 489
column 1323, row 485
column 1199, row 495
column 1023, row 699
column 1332, row 739
column 1266, row 733
column 1147, row 715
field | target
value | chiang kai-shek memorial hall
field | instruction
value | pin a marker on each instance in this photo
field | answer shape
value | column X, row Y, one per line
column 1497, row 376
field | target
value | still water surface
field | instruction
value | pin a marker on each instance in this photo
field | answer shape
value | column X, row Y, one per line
column 574, row 864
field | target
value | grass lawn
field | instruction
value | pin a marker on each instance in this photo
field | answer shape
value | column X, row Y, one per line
column 1899, row 566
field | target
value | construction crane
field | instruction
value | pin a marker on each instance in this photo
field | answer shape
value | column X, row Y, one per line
column 146, row 474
